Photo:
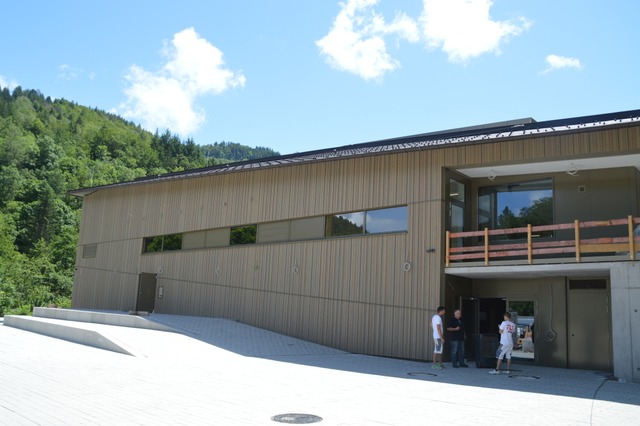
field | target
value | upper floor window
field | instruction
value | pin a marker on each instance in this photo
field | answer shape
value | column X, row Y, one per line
column 394, row 219
column 515, row 205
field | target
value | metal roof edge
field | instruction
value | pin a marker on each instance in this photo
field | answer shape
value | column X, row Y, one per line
column 471, row 134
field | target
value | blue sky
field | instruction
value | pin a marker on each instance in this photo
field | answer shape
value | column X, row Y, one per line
column 298, row 75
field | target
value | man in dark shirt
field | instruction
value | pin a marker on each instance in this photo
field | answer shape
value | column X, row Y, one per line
column 455, row 327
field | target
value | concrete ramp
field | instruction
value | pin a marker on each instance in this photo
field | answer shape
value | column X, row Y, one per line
column 81, row 333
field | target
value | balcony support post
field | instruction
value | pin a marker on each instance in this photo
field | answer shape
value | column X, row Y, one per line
column 529, row 245
column 447, row 244
column 486, row 246
column 576, row 227
column 632, row 242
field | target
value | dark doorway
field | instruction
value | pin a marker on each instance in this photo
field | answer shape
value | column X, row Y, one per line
column 490, row 315
column 480, row 315
column 146, row 292
column 469, row 307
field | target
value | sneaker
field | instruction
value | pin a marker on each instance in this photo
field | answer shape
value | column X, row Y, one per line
column 464, row 365
column 443, row 366
column 436, row 367
column 494, row 371
column 507, row 372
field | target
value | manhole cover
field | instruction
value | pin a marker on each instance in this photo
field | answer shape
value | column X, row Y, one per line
column 523, row 376
column 296, row 418
column 418, row 374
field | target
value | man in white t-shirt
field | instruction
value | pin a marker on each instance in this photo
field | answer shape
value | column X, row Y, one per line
column 506, row 330
column 438, row 338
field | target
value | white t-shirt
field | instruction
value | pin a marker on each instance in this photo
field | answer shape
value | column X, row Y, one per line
column 506, row 337
column 437, row 319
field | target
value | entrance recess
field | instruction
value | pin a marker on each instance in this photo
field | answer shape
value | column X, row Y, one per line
column 146, row 292
column 480, row 315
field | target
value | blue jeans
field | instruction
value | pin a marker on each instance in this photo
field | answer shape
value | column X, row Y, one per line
column 457, row 352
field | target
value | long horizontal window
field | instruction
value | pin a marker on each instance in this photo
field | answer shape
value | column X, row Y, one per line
column 394, row 219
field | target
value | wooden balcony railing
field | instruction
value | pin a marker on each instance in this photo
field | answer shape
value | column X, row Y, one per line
column 528, row 250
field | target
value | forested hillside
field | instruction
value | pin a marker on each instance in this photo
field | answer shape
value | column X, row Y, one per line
column 48, row 147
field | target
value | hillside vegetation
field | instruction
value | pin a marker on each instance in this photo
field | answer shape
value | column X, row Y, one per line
column 48, row 147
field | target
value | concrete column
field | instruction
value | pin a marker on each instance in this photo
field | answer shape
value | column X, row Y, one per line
column 625, row 320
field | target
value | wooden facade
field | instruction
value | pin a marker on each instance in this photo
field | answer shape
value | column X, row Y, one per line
column 372, row 294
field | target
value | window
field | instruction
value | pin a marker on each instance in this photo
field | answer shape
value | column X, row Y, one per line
column 218, row 237
column 153, row 244
column 387, row 220
column 163, row 243
column 273, row 232
column 243, row 235
column 310, row 228
column 345, row 224
column 194, row 240
column 515, row 205
column 394, row 219
column 89, row 251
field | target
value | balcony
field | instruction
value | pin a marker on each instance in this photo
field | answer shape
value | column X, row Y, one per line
column 482, row 248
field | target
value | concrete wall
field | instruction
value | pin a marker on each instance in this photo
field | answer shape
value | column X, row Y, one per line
column 625, row 320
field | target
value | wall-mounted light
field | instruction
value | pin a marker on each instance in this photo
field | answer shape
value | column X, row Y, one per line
column 492, row 175
column 160, row 292
column 572, row 170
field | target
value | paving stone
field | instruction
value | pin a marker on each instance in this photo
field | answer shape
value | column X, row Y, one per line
column 220, row 372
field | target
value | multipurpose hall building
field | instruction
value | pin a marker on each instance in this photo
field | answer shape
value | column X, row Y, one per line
column 354, row 247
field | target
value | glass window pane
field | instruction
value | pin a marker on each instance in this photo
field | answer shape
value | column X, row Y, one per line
column 387, row 220
column 172, row 242
column 456, row 190
column 515, row 205
column 243, row 235
column 273, row 232
column 345, row 224
column 309, row 228
column 153, row 244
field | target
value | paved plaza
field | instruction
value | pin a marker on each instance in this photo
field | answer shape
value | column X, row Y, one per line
column 220, row 372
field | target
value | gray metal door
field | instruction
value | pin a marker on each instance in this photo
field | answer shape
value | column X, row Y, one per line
column 146, row 292
column 589, row 325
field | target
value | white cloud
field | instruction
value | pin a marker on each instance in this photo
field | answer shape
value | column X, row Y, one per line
column 356, row 42
column 555, row 62
column 166, row 99
column 463, row 29
column 9, row 84
column 68, row 72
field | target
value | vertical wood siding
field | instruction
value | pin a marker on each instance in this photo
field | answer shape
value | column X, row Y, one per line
column 351, row 292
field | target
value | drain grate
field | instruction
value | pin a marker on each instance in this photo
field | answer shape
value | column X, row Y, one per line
column 420, row 373
column 523, row 376
column 296, row 418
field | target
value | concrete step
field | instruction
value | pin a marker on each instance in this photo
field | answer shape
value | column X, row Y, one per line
column 121, row 320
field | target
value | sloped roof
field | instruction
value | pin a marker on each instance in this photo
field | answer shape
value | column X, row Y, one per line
column 476, row 134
